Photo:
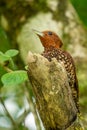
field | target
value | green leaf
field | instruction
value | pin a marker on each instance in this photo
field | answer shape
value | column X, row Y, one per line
column 2, row 72
column 12, row 52
column 3, row 57
column 81, row 8
column 4, row 41
column 14, row 78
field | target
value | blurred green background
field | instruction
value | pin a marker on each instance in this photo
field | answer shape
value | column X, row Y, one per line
column 68, row 18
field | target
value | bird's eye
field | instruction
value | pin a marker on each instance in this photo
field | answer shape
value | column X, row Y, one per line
column 50, row 33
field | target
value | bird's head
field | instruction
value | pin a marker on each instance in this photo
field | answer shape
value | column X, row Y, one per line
column 49, row 39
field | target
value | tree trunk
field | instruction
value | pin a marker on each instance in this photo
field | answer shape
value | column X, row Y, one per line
column 52, row 93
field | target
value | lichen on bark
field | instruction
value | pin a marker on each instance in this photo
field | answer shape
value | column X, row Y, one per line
column 52, row 92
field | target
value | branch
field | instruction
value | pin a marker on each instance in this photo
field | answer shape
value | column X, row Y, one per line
column 5, row 68
column 31, row 104
column 15, row 126
column 53, row 94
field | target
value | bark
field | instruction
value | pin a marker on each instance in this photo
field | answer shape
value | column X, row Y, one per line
column 52, row 92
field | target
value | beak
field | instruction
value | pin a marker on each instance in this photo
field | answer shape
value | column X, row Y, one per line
column 40, row 34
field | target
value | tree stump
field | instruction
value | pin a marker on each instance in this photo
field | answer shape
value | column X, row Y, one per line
column 52, row 92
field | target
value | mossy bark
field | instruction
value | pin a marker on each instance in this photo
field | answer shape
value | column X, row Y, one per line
column 53, row 95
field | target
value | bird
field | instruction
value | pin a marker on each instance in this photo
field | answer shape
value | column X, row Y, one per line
column 53, row 49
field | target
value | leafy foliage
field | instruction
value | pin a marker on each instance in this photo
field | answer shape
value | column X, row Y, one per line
column 3, row 57
column 4, row 45
column 8, row 55
column 81, row 8
column 4, row 41
column 11, row 52
column 14, row 78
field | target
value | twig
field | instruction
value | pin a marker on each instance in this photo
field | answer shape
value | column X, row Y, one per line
column 21, row 118
column 8, row 114
column 32, row 106
column 5, row 67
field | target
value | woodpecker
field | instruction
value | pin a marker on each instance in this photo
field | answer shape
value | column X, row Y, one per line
column 52, row 49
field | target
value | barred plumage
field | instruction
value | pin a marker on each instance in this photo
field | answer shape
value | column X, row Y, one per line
column 65, row 57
